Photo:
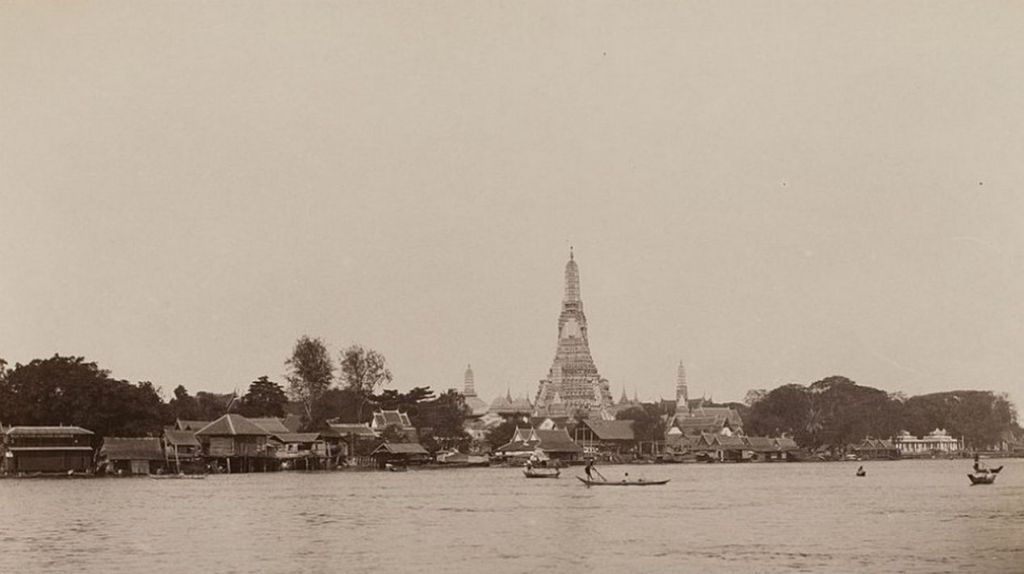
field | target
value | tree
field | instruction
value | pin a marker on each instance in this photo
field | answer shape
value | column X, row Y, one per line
column 363, row 371
column 310, row 372
column 753, row 396
column 784, row 410
column 648, row 426
column 183, row 406
column 444, row 421
column 264, row 399
column 502, row 434
column 72, row 391
column 393, row 433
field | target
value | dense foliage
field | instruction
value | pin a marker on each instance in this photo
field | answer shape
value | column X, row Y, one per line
column 72, row 391
column 835, row 411
column 310, row 372
column 648, row 424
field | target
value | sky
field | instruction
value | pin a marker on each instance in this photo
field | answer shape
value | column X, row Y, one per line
column 768, row 192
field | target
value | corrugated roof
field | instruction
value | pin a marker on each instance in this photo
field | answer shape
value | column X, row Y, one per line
column 232, row 425
column 47, row 431
column 786, row 443
column 180, row 437
column 401, row 448
column 612, row 430
column 298, row 436
column 270, row 424
column 116, row 448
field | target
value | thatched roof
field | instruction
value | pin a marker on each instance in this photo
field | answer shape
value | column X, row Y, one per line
column 116, row 448
column 180, row 438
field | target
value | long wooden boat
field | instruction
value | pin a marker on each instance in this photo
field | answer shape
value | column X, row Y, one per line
column 982, row 478
column 632, row 482
column 178, row 476
column 541, row 472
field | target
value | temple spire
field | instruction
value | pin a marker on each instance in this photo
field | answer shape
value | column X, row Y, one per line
column 572, row 280
column 682, row 393
column 469, row 387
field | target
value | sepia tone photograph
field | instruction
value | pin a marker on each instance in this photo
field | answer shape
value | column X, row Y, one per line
column 298, row 287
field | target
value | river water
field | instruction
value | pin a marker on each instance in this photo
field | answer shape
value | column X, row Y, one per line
column 905, row 516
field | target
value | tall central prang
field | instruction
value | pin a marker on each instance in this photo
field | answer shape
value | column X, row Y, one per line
column 573, row 382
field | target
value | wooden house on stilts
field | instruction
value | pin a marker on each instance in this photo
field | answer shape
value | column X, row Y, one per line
column 236, row 444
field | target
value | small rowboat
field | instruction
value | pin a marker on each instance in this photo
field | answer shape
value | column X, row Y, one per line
column 541, row 472
column 171, row 476
column 982, row 478
column 636, row 482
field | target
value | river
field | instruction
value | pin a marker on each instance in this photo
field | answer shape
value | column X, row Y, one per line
column 904, row 516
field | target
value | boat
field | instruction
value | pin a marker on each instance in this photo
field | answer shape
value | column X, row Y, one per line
column 395, row 467
column 624, row 482
column 179, row 476
column 995, row 470
column 862, row 473
column 542, row 472
column 982, row 478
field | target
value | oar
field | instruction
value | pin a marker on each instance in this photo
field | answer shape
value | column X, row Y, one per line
column 599, row 474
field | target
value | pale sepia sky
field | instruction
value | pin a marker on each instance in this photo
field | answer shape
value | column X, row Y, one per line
column 768, row 191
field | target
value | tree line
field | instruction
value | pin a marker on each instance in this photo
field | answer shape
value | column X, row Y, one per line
column 70, row 390
column 836, row 411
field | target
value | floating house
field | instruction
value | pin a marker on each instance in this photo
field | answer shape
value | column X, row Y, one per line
column 47, row 449
column 606, row 437
column 400, row 454
column 305, row 450
column 131, row 455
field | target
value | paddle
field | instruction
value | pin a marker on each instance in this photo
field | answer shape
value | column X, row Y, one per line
column 599, row 474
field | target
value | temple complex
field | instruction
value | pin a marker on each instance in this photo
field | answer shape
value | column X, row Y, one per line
column 693, row 417
column 573, row 383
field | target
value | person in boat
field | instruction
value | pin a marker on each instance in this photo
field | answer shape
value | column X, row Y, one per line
column 529, row 465
column 978, row 465
column 860, row 470
column 589, row 468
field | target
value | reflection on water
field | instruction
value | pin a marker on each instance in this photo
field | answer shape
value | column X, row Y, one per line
column 907, row 516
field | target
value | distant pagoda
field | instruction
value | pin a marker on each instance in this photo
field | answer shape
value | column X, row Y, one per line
column 573, row 382
column 477, row 406
column 682, row 393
